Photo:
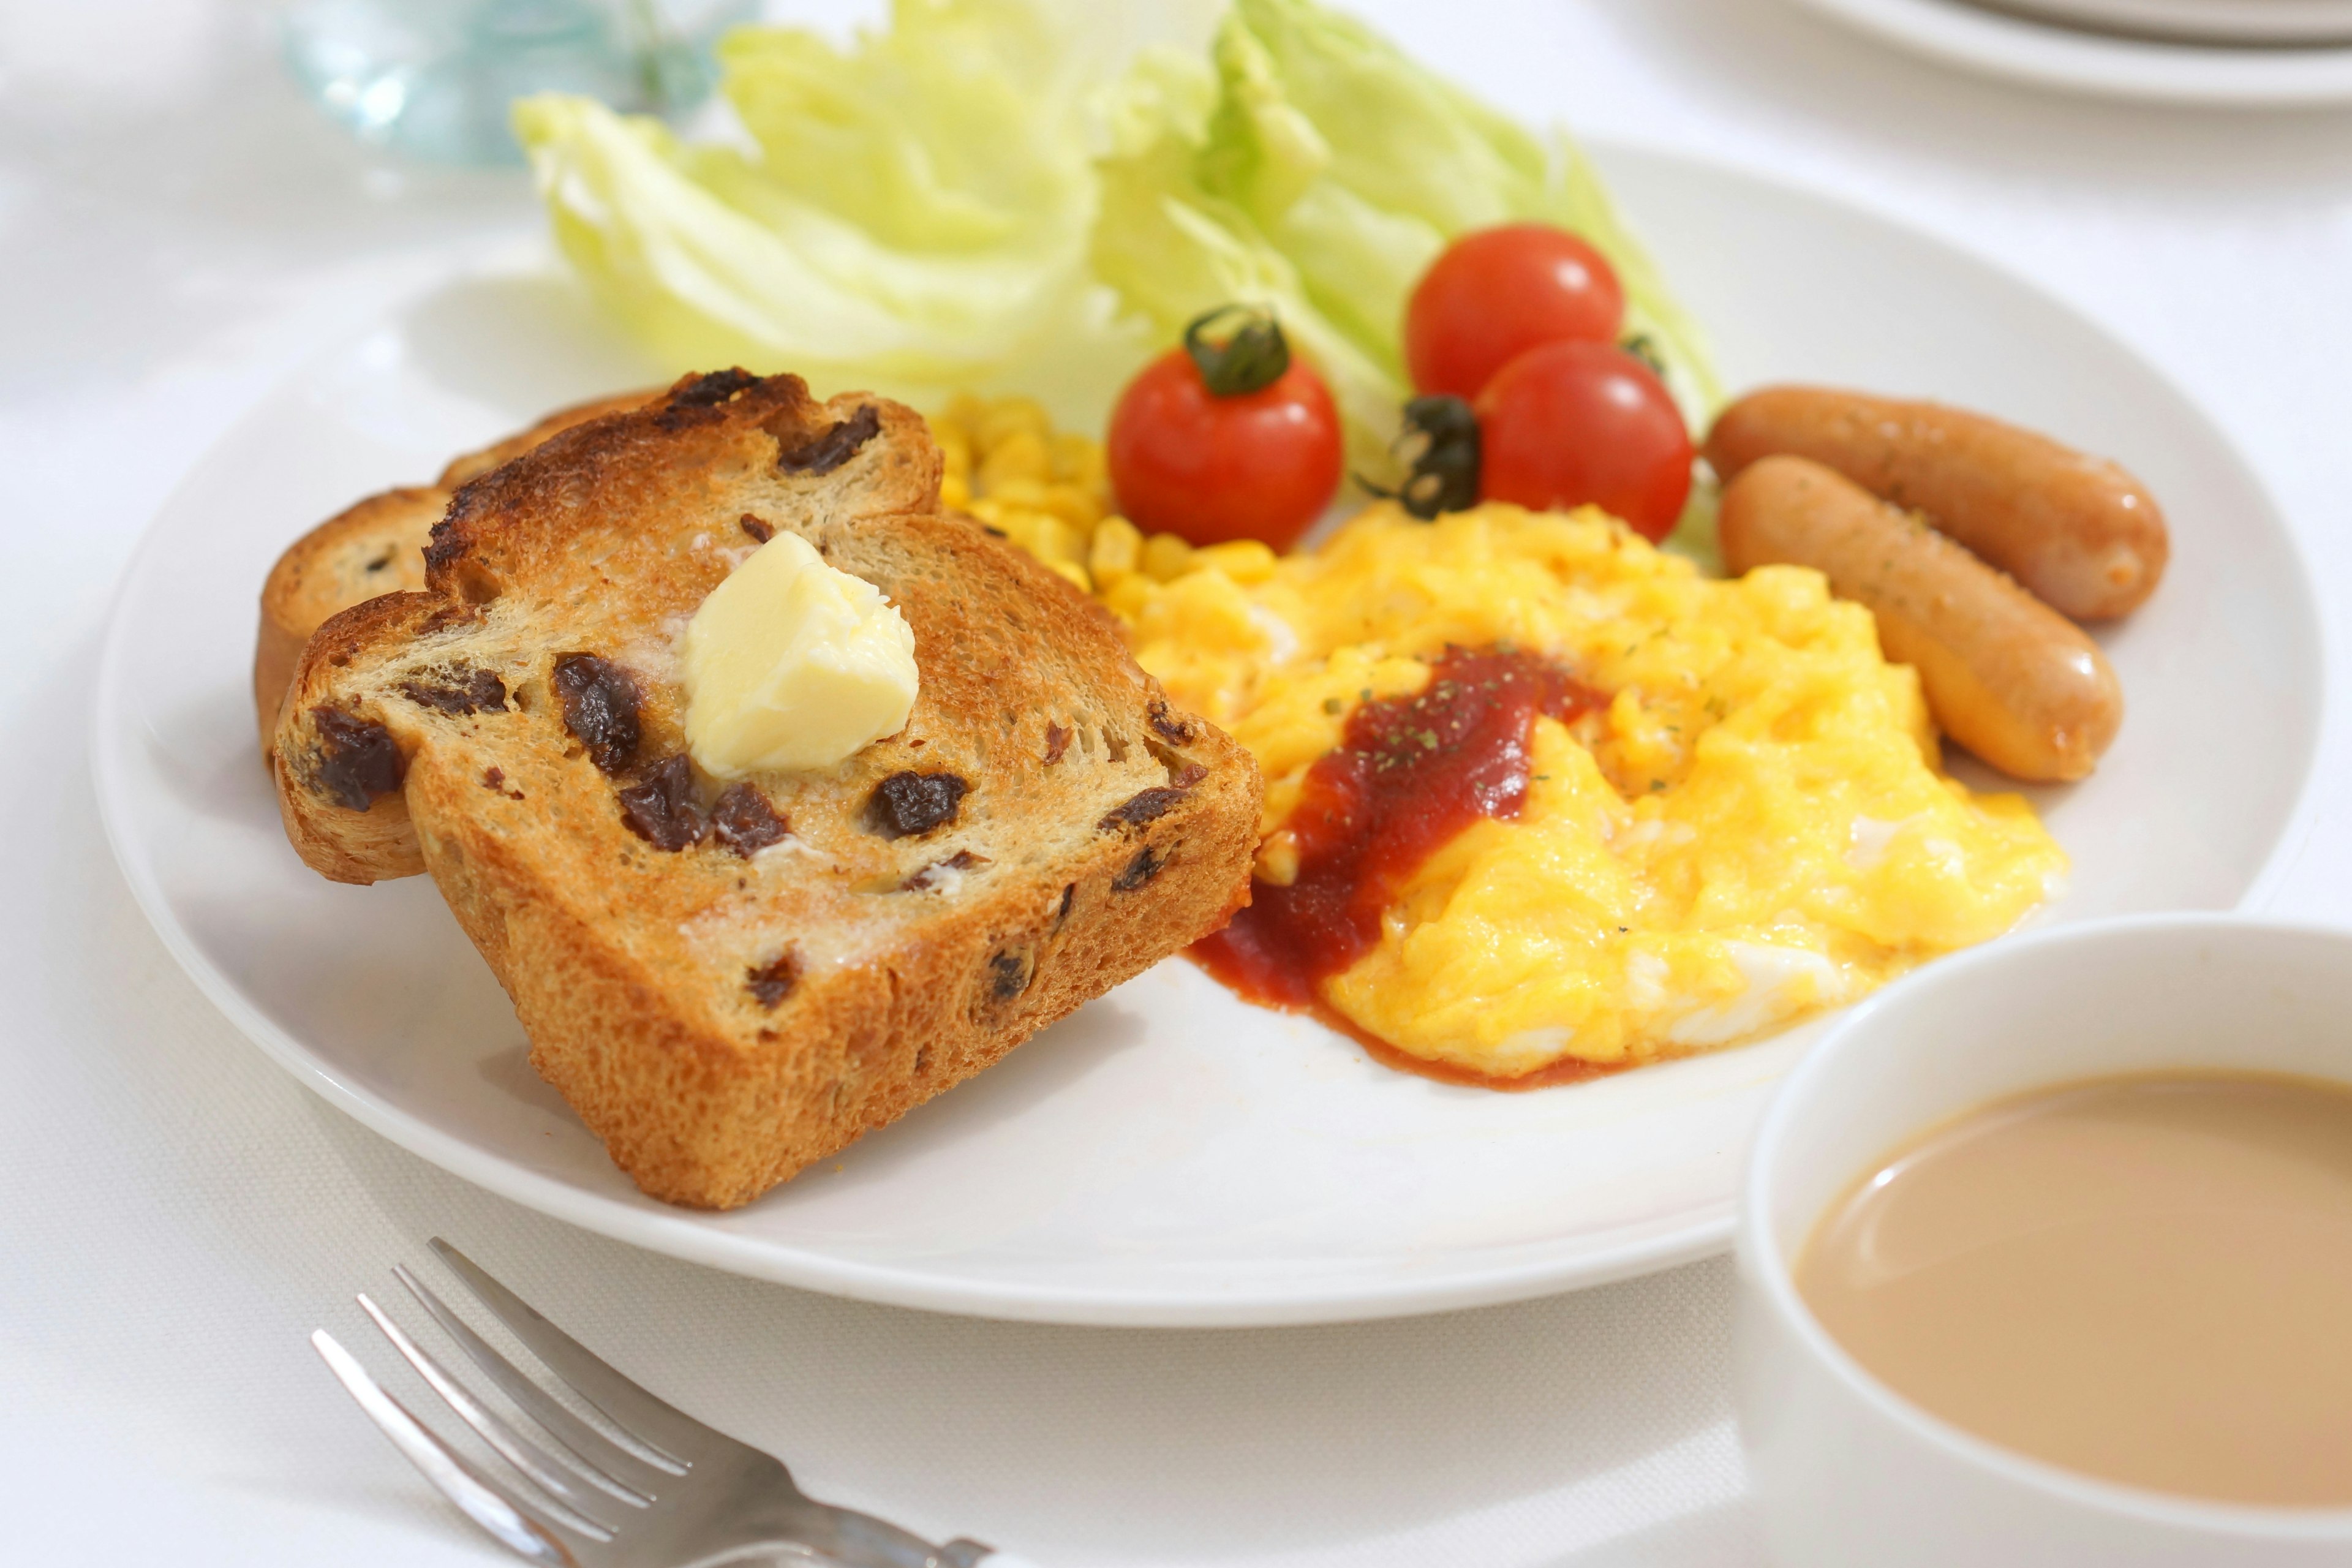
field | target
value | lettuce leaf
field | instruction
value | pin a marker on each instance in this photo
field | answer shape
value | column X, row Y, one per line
column 1319, row 170
column 909, row 214
column 1034, row 196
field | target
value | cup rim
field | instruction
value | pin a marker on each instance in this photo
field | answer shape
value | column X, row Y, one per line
column 1761, row 1258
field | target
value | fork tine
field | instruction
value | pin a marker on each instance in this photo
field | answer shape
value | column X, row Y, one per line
column 580, row 1439
column 543, row 1469
column 627, row 1405
column 475, row 1496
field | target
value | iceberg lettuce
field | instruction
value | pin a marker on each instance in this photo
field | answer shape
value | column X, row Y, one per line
column 910, row 213
column 1314, row 167
column 1034, row 196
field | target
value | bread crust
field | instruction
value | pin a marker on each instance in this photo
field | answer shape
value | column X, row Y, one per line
column 376, row 546
column 370, row 548
column 721, row 1020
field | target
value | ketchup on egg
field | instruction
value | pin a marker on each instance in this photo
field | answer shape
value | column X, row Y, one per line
column 1409, row 774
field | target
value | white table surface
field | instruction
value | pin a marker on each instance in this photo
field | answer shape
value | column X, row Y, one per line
column 178, row 231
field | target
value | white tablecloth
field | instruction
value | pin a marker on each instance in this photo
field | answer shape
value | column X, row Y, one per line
column 178, row 231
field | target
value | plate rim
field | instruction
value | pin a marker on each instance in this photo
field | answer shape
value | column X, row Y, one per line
column 2255, row 24
column 2051, row 55
column 688, row 1235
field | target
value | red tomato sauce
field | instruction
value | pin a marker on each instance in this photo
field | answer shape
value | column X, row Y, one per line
column 1409, row 774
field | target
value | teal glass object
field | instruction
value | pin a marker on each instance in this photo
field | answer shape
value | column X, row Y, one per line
column 431, row 80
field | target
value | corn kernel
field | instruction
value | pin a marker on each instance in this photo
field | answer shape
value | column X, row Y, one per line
column 1075, row 573
column 1078, row 460
column 967, row 411
column 1084, row 507
column 1166, row 557
column 1012, row 522
column 955, row 448
column 1054, row 540
column 1067, row 503
column 1001, row 418
column 1021, row 492
column 1019, row 457
column 1242, row 560
column 1127, row 595
column 1046, row 491
column 1115, row 549
column 1278, row 860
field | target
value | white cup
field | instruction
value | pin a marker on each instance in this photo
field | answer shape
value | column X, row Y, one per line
column 1847, row 1473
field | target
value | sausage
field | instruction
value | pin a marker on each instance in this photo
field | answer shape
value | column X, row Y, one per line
column 2085, row 536
column 2005, row 675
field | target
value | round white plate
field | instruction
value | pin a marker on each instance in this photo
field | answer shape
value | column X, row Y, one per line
column 2217, row 21
column 1985, row 40
column 1169, row 1156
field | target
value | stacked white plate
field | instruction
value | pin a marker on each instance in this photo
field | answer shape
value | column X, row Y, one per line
column 2256, row 23
column 2250, row 53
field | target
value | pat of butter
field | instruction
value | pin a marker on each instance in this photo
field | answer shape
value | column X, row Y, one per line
column 790, row 663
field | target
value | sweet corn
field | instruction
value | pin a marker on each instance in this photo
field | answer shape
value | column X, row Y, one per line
column 1001, row 418
column 1069, row 503
column 1127, row 595
column 1076, row 505
column 1078, row 460
column 1277, row 859
column 1010, row 522
column 955, row 446
column 1047, row 492
column 1021, row 455
column 1029, row 494
column 1245, row 561
column 1054, row 540
column 1115, row 550
column 1166, row 557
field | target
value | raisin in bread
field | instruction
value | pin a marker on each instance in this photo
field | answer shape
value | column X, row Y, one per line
column 374, row 546
column 729, row 984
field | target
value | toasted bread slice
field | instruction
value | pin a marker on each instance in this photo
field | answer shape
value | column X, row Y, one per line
column 375, row 546
column 727, row 985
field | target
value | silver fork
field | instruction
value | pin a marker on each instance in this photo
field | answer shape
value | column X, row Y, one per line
column 678, row 1493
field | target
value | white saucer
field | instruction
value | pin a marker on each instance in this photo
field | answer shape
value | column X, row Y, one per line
column 2106, row 65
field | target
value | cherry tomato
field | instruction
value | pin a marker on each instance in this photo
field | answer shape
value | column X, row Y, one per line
column 1575, row 424
column 1207, row 467
column 1496, row 293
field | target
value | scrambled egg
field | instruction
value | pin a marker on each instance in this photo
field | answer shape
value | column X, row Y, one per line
column 1754, row 827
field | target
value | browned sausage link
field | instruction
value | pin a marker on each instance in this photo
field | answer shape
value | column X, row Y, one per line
column 2005, row 676
column 2078, row 531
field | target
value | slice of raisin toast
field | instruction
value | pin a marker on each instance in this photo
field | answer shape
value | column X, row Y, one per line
column 375, row 546
column 729, row 984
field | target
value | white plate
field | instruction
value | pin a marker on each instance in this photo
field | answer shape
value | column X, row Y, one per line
column 1169, row 1156
column 1984, row 39
column 2218, row 21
